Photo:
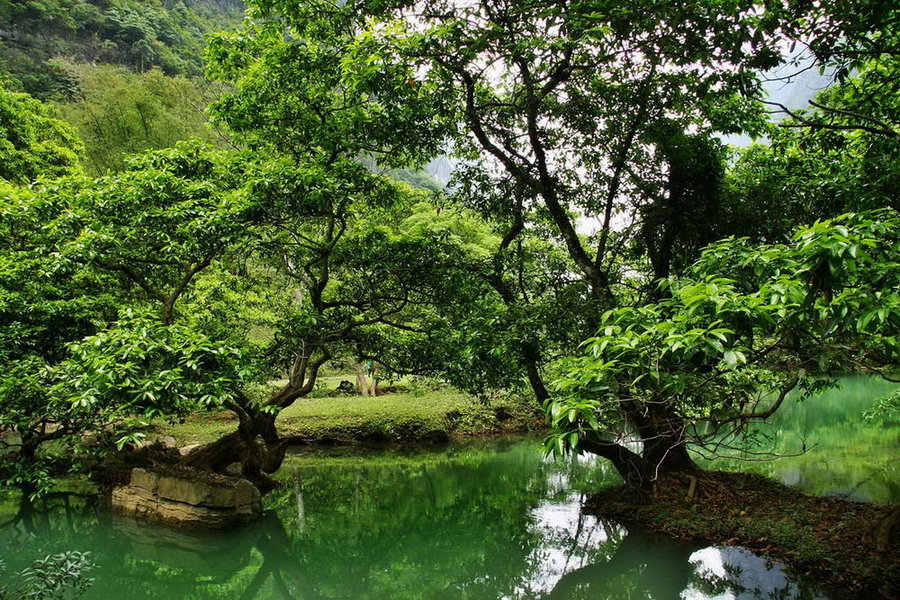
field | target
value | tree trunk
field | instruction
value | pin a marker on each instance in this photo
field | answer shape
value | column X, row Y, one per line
column 362, row 383
column 663, row 454
column 255, row 445
column 373, row 387
column 531, row 359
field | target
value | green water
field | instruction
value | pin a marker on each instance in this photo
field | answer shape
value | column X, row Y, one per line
column 483, row 520
column 825, row 446
column 478, row 521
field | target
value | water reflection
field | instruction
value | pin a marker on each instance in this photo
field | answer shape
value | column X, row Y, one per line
column 742, row 575
column 827, row 447
column 466, row 523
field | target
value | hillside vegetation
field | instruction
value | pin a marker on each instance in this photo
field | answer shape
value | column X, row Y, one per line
column 127, row 74
column 140, row 35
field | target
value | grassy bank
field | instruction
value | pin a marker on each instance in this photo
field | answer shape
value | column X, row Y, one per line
column 406, row 416
column 849, row 544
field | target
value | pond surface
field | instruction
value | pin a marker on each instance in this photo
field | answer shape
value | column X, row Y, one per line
column 475, row 521
column 481, row 520
column 826, row 447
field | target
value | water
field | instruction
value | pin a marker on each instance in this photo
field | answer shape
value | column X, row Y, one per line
column 476, row 521
column 482, row 520
column 826, row 447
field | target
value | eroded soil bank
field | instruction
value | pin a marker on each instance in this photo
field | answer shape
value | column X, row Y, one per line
column 852, row 545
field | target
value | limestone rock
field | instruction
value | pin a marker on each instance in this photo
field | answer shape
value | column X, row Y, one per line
column 188, row 498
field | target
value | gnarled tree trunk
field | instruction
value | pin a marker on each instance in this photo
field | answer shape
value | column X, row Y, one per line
column 663, row 451
column 256, row 445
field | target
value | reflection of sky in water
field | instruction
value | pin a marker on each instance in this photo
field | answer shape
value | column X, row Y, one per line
column 752, row 577
column 571, row 540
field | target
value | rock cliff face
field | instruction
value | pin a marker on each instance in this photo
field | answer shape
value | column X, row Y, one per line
column 187, row 498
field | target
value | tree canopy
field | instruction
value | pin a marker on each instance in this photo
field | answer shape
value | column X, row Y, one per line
column 744, row 327
column 590, row 174
column 34, row 142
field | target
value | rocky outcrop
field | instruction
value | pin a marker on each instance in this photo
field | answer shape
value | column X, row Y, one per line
column 185, row 450
column 187, row 498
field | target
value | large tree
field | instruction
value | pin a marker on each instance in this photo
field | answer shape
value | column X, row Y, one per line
column 106, row 260
column 560, row 115
column 586, row 127
column 746, row 326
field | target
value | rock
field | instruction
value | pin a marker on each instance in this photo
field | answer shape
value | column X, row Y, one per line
column 185, row 450
column 167, row 441
column 235, row 469
column 187, row 498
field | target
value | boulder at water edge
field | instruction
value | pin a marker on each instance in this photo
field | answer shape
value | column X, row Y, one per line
column 187, row 498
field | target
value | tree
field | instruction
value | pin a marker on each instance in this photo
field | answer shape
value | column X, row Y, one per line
column 352, row 286
column 119, row 113
column 323, row 223
column 34, row 142
column 561, row 116
column 572, row 125
column 820, row 163
column 45, row 303
column 84, row 261
column 722, row 352
column 855, row 40
column 321, row 231
column 563, row 108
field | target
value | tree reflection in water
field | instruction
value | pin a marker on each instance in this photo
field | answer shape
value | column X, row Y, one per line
column 465, row 523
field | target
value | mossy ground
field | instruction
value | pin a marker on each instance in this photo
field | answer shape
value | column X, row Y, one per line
column 829, row 538
column 404, row 416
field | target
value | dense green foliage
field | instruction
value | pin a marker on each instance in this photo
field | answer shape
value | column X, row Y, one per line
column 137, row 34
column 126, row 74
column 78, row 253
column 119, row 113
column 824, row 161
column 703, row 361
column 33, row 141
column 562, row 116
column 589, row 177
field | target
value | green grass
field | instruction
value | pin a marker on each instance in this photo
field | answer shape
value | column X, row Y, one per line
column 399, row 417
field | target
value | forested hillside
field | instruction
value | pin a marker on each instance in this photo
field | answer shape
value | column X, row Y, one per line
column 126, row 73
column 141, row 35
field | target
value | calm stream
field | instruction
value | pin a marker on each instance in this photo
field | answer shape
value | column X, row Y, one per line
column 484, row 519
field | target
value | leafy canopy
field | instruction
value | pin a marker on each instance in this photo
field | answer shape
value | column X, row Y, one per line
column 33, row 141
column 745, row 323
